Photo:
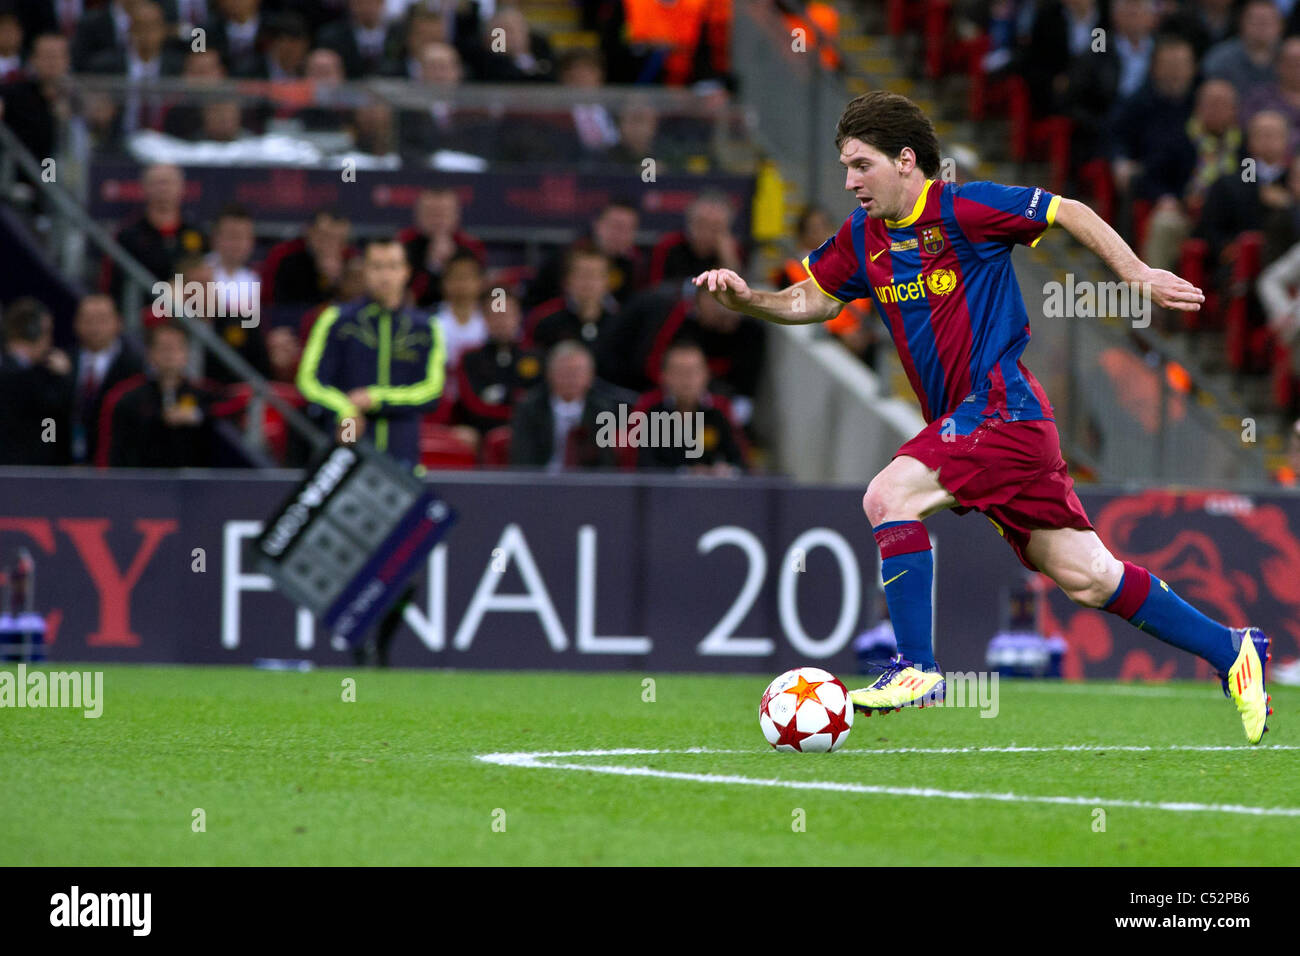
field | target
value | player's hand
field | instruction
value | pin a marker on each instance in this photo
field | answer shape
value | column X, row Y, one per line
column 1169, row 291
column 360, row 397
column 727, row 287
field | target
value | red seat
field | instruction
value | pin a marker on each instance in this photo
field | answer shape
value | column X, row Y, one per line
column 440, row 448
column 275, row 431
column 1245, row 344
column 496, row 447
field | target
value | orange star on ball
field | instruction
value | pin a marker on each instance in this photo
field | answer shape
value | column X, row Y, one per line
column 805, row 690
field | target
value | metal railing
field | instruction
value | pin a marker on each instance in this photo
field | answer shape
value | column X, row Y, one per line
column 74, row 218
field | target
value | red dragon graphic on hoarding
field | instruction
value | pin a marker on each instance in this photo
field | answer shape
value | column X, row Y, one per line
column 1233, row 559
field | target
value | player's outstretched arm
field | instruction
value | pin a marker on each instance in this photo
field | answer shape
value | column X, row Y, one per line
column 1167, row 290
column 799, row 304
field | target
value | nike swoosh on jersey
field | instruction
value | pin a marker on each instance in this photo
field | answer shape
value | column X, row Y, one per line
column 878, row 254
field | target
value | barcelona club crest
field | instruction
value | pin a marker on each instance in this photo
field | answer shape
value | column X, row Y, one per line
column 932, row 240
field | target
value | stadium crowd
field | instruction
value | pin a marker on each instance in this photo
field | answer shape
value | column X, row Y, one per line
column 532, row 355
column 1180, row 122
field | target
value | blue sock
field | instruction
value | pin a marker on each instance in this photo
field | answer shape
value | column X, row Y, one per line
column 1150, row 605
column 907, row 569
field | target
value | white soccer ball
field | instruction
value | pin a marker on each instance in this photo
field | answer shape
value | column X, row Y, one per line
column 806, row 710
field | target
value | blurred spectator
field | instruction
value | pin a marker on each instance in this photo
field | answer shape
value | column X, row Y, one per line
column 160, row 235
column 706, row 242
column 53, row 16
column 1246, row 61
column 1059, row 48
column 638, row 138
column 159, row 420
column 1282, row 96
column 361, row 39
column 613, row 233
column 216, row 312
column 193, row 13
column 652, row 321
column 11, row 45
column 234, row 35
column 37, row 101
column 854, row 327
column 583, row 70
column 433, row 239
column 459, row 314
column 1280, row 221
column 150, row 55
column 515, row 55
column 1279, row 283
column 586, row 310
column 1216, row 137
column 372, row 129
column 105, row 29
column 1203, row 23
column 233, row 241
column 494, row 376
column 819, row 21
column 301, row 273
column 1237, row 201
column 1134, row 24
column 35, row 388
column 672, row 42
column 150, row 50
column 288, row 41
column 325, row 73
column 685, row 389
column 442, row 125
column 284, row 351
column 185, row 119
column 555, row 425
column 221, row 122
column 423, row 27
column 1151, row 153
column 100, row 361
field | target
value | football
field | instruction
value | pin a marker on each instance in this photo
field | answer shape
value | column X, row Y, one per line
column 806, row 710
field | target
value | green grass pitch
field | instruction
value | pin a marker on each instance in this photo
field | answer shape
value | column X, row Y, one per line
column 287, row 772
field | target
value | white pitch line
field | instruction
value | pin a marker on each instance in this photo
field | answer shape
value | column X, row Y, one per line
column 1113, row 690
column 535, row 760
column 501, row 758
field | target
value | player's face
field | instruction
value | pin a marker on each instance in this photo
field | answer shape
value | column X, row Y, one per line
column 96, row 323
column 874, row 179
column 386, row 272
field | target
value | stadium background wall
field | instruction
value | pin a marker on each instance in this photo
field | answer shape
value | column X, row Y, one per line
column 617, row 573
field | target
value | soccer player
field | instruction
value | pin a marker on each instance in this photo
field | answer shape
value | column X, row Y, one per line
column 936, row 259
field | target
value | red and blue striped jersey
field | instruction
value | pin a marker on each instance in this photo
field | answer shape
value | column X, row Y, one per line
column 943, row 284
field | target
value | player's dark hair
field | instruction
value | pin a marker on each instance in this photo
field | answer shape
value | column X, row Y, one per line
column 890, row 122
